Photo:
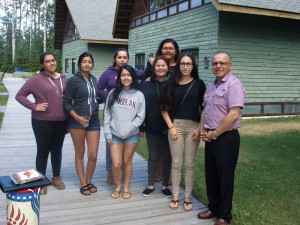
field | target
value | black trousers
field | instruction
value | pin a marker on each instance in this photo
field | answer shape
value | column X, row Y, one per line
column 49, row 136
column 158, row 148
column 221, row 157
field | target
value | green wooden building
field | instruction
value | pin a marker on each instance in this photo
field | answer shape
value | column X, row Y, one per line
column 262, row 36
column 86, row 26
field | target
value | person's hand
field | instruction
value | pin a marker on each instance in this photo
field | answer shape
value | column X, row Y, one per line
column 196, row 135
column 173, row 133
column 151, row 60
column 41, row 107
column 82, row 120
column 203, row 135
column 110, row 142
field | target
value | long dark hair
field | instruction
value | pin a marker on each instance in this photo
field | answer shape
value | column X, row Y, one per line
column 116, row 54
column 119, row 86
column 161, row 57
column 168, row 40
column 42, row 58
column 85, row 54
column 174, row 80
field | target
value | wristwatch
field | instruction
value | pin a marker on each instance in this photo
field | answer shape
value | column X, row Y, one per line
column 213, row 136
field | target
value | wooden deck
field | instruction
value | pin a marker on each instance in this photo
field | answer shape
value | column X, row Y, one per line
column 17, row 153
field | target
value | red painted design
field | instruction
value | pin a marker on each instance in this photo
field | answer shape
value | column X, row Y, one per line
column 15, row 221
column 27, row 173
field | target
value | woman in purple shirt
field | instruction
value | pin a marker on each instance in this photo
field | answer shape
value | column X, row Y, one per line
column 49, row 120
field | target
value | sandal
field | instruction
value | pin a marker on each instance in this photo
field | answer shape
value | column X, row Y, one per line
column 85, row 190
column 92, row 188
column 115, row 194
column 174, row 202
column 126, row 195
column 186, row 206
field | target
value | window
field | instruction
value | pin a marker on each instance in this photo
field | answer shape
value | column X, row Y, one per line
column 195, row 3
column 73, row 65
column 158, row 4
column 66, row 65
column 183, row 6
column 140, row 61
column 193, row 52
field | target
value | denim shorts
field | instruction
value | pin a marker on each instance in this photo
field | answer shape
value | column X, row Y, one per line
column 94, row 123
column 131, row 139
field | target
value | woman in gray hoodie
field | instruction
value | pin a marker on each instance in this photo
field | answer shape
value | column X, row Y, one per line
column 123, row 115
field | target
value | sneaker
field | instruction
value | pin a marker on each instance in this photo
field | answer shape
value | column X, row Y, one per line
column 167, row 193
column 58, row 183
column 148, row 192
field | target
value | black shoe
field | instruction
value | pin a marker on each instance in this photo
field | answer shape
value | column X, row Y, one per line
column 148, row 192
column 167, row 193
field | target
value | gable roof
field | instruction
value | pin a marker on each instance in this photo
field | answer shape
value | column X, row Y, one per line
column 94, row 20
column 277, row 8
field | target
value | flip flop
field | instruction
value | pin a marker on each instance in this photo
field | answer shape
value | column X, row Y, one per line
column 92, row 188
column 115, row 194
column 175, row 202
column 185, row 206
column 126, row 195
column 85, row 190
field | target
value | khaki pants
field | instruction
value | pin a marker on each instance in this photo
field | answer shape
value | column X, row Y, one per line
column 183, row 149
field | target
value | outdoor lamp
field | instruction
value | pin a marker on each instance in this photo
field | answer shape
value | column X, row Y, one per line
column 206, row 62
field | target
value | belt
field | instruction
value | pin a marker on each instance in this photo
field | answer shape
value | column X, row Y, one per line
column 235, row 129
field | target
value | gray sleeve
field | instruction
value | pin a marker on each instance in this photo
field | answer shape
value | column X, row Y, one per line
column 107, row 119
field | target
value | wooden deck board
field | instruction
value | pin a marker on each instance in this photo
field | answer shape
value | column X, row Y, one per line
column 69, row 207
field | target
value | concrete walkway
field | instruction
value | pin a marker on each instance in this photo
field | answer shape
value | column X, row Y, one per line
column 17, row 153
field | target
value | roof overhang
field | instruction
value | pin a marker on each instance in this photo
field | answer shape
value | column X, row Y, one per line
column 61, row 12
column 254, row 11
column 122, row 17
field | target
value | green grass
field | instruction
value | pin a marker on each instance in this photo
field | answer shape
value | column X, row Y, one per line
column 3, row 101
column 267, row 182
column 2, row 88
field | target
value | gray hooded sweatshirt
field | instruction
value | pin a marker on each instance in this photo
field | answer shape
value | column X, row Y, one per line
column 126, row 115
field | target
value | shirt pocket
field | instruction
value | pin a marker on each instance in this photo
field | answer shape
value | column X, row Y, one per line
column 220, row 98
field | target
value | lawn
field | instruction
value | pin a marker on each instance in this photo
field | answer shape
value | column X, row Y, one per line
column 266, row 185
column 3, row 100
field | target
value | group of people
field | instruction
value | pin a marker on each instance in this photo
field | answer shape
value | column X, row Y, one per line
column 170, row 106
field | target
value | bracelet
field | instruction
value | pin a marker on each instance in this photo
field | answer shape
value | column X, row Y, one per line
column 171, row 127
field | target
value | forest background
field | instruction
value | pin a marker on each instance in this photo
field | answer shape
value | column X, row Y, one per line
column 26, row 30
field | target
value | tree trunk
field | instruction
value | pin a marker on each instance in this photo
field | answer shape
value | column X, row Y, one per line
column 45, row 24
column 13, row 41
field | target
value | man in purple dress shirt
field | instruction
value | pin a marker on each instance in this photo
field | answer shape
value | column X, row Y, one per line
column 220, row 120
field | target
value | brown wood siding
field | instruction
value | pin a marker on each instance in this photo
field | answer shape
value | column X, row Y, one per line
column 139, row 9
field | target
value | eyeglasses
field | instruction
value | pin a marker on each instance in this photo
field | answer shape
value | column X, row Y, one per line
column 221, row 63
column 186, row 64
column 50, row 61
column 168, row 49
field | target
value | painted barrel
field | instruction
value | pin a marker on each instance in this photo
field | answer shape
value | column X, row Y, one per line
column 23, row 207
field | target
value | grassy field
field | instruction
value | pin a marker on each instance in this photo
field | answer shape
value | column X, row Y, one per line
column 267, row 183
column 3, row 100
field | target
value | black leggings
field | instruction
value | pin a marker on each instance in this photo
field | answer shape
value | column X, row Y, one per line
column 49, row 136
column 158, row 148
